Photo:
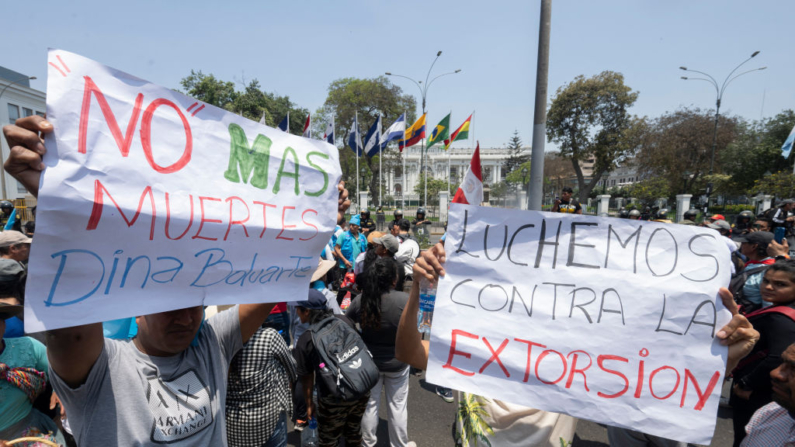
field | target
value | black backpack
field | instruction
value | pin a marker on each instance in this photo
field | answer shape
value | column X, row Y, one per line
column 348, row 370
column 736, row 288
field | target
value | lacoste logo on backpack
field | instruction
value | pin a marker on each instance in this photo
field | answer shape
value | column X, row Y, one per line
column 356, row 364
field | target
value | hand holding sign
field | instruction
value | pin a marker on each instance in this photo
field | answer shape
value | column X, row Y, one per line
column 27, row 149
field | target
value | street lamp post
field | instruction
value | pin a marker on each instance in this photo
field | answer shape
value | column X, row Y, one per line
column 2, row 157
column 424, row 95
column 719, row 91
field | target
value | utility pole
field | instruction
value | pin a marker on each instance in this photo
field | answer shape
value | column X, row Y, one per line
column 540, row 115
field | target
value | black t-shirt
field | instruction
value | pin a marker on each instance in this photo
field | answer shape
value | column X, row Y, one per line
column 776, row 333
column 306, row 358
column 570, row 207
column 381, row 341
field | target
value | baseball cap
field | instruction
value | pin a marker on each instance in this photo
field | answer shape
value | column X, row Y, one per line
column 762, row 238
column 356, row 220
column 372, row 237
column 716, row 217
column 10, row 310
column 389, row 242
column 315, row 301
column 11, row 237
column 720, row 225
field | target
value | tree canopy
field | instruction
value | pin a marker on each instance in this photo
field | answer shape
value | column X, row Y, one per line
column 588, row 119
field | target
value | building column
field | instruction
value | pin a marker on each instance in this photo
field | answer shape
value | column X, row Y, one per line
column 682, row 205
column 362, row 201
column 766, row 201
column 603, row 205
column 443, row 203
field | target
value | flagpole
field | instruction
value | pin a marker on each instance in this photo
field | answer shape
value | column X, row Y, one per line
column 448, row 157
column 380, row 166
column 288, row 121
column 358, row 194
column 403, row 175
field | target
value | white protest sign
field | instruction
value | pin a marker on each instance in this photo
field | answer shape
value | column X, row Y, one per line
column 605, row 319
column 153, row 201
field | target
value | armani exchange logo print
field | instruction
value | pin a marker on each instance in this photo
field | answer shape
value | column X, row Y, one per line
column 180, row 408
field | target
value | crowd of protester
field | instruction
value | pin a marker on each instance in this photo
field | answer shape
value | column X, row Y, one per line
column 239, row 376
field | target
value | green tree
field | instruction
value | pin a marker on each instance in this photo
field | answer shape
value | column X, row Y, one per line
column 435, row 186
column 649, row 190
column 252, row 102
column 780, row 184
column 588, row 120
column 677, row 146
column 499, row 190
column 757, row 149
column 515, row 176
column 515, row 158
column 368, row 98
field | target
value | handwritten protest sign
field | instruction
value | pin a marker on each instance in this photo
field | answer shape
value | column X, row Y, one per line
column 605, row 319
column 153, row 201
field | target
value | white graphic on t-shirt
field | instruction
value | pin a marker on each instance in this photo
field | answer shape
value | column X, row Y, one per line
column 180, row 408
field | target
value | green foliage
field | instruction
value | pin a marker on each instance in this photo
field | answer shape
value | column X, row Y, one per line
column 515, row 158
column 649, row 190
column 435, row 186
column 757, row 150
column 472, row 415
column 780, row 184
column 250, row 103
column 515, row 176
column 588, row 119
column 367, row 98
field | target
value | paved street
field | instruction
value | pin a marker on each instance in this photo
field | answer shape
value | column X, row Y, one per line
column 431, row 422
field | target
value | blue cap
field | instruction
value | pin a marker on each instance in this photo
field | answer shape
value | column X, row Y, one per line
column 315, row 300
column 356, row 220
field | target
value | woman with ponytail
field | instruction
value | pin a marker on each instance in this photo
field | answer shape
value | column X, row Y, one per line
column 378, row 310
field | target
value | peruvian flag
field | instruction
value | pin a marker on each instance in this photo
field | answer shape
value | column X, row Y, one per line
column 307, row 125
column 471, row 190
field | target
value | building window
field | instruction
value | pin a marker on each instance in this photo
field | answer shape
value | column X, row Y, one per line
column 13, row 113
column 27, row 112
column 41, row 114
column 487, row 174
column 21, row 189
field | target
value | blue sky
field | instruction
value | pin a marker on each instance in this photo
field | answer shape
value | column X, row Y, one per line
column 298, row 47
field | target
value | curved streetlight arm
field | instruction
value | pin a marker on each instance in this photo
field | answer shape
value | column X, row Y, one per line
column 707, row 75
column 430, row 69
column 705, row 80
column 437, row 77
column 726, row 81
column 741, row 74
column 410, row 79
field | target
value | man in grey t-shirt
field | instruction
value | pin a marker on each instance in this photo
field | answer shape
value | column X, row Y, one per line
column 156, row 388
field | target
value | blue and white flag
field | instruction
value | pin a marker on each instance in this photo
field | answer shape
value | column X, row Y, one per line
column 355, row 138
column 372, row 141
column 394, row 132
column 329, row 134
column 284, row 126
column 787, row 147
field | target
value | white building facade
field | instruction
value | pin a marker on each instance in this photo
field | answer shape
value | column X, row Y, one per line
column 17, row 100
column 437, row 160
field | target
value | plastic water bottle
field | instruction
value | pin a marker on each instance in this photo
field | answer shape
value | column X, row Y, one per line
column 309, row 436
column 427, row 301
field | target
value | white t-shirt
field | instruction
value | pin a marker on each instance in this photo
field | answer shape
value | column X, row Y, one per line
column 407, row 254
column 133, row 399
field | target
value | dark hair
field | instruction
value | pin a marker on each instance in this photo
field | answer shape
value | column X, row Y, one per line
column 567, row 189
column 769, row 222
column 370, row 257
column 14, row 288
column 404, row 224
column 786, row 266
column 318, row 315
column 30, row 226
column 379, row 281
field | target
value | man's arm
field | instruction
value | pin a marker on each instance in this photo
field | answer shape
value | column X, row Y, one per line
column 309, row 384
column 73, row 351
column 251, row 318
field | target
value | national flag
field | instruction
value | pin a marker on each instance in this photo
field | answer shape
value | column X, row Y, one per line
column 414, row 134
column 308, row 127
column 329, row 134
column 284, row 126
column 12, row 219
column 471, row 190
column 355, row 139
column 462, row 133
column 440, row 132
column 394, row 132
column 787, row 147
column 262, row 120
column 372, row 141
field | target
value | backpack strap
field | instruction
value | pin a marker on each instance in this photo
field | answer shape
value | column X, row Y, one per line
column 784, row 310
